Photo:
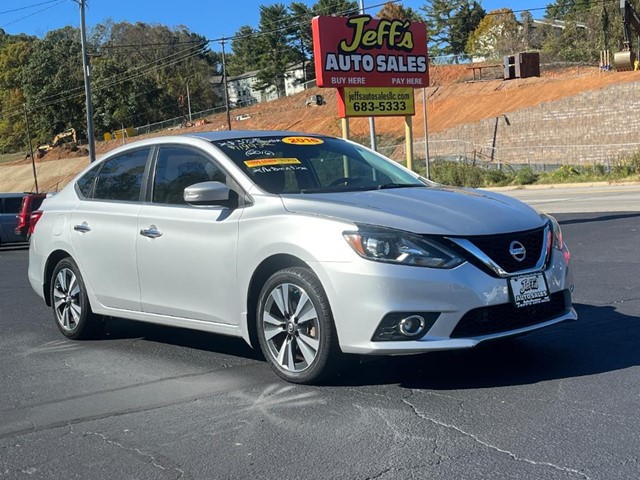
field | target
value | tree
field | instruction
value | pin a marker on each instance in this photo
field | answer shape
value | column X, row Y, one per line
column 244, row 47
column 143, row 71
column 53, row 83
column 345, row 8
column 449, row 24
column 274, row 44
column 438, row 15
column 559, row 9
column 14, row 54
column 498, row 34
column 587, row 27
column 464, row 22
column 395, row 11
column 528, row 37
column 301, row 16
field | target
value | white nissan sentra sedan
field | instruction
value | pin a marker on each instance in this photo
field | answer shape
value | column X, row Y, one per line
column 310, row 246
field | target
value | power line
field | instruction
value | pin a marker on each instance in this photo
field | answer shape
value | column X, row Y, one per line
column 143, row 45
column 34, row 13
column 27, row 7
column 78, row 92
column 258, row 33
column 113, row 80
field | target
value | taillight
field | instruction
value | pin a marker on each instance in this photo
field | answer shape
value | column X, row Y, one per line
column 33, row 220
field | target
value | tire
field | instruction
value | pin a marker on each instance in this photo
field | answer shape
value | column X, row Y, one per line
column 295, row 327
column 71, row 309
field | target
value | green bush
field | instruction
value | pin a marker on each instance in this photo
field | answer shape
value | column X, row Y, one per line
column 564, row 174
column 465, row 175
column 498, row 178
column 627, row 167
column 457, row 174
column 525, row 176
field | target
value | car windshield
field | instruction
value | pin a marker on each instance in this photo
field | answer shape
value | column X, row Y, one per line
column 310, row 164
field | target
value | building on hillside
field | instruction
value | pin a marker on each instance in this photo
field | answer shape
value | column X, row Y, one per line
column 556, row 24
column 243, row 92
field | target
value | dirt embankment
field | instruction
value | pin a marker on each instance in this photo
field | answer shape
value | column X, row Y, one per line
column 452, row 99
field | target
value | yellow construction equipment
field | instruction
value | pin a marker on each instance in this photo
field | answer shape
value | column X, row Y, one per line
column 626, row 59
column 68, row 136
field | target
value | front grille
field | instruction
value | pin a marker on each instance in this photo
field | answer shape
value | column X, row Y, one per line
column 506, row 317
column 496, row 247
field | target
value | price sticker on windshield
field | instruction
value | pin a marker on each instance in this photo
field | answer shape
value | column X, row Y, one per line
column 529, row 290
column 268, row 162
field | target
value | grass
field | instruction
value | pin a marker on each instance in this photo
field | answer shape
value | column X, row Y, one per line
column 10, row 157
column 466, row 175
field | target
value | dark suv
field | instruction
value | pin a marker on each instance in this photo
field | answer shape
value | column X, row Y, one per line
column 30, row 202
column 10, row 204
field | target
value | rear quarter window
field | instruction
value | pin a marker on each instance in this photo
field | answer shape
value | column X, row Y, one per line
column 84, row 186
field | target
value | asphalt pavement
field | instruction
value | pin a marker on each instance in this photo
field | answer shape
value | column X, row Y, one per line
column 154, row 402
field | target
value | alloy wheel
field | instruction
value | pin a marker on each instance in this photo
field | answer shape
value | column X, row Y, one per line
column 291, row 327
column 66, row 299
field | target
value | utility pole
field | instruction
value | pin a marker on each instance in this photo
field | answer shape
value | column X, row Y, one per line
column 33, row 160
column 372, row 120
column 86, row 68
column 189, row 100
column 226, row 88
column 426, row 133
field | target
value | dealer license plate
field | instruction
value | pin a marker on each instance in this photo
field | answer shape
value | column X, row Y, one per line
column 529, row 290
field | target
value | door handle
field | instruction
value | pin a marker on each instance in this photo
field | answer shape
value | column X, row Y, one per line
column 151, row 232
column 82, row 228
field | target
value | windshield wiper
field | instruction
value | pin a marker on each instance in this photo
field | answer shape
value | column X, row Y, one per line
column 360, row 188
column 337, row 189
column 399, row 185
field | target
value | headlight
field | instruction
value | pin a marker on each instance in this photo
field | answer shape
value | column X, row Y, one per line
column 400, row 247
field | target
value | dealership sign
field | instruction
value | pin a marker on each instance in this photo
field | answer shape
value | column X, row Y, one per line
column 365, row 52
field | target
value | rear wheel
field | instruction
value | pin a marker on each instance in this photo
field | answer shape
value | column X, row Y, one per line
column 71, row 309
column 295, row 327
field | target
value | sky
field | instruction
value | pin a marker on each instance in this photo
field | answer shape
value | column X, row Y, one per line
column 211, row 18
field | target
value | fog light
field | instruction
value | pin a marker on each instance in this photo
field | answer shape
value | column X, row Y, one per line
column 398, row 326
column 412, row 326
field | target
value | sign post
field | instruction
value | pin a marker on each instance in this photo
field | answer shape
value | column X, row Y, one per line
column 374, row 64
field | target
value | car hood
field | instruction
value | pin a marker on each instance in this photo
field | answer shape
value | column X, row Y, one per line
column 423, row 210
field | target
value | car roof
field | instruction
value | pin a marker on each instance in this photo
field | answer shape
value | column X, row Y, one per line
column 12, row 194
column 233, row 134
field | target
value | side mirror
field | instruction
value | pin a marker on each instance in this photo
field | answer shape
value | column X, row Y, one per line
column 207, row 193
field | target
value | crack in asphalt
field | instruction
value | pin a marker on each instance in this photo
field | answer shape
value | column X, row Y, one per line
column 152, row 459
column 118, row 389
column 380, row 474
column 109, row 406
column 488, row 445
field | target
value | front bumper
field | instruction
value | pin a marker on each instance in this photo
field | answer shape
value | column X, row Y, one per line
column 362, row 292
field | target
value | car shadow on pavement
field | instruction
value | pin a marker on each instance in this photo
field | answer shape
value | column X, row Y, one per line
column 601, row 340
column 590, row 217
column 118, row 329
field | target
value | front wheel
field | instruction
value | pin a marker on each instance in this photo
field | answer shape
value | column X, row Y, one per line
column 71, row 309
column 295, row 327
